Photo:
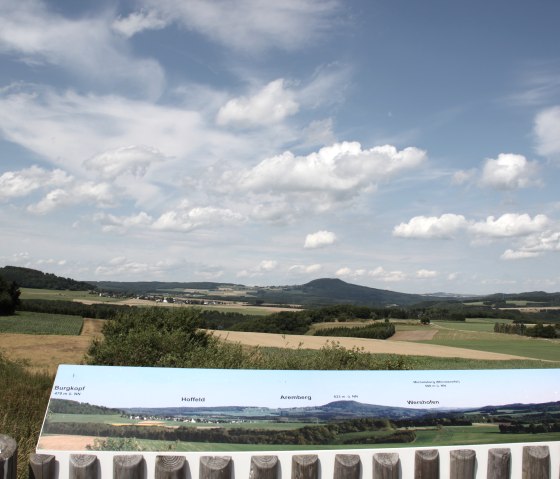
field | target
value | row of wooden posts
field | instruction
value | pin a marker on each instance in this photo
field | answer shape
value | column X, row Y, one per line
column 463, row 465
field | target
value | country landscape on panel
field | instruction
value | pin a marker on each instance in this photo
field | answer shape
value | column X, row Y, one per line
column 281, row 419
column 306, row 186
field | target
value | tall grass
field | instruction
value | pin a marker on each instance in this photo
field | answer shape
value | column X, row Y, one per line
column 23, row 402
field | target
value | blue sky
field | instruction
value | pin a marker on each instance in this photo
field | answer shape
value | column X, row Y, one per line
column 412, row 146
column 127, row 387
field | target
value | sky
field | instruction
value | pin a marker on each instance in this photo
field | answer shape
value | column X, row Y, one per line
column 410, row 146
column 126, row 387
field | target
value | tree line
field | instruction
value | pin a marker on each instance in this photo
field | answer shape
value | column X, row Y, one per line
column 539, row 330
column 9, row 297
column 32, row 278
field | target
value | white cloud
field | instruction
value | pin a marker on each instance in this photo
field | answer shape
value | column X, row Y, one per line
column 509, row 225
column 189, row 219
column 265, row 266
column 87, row 47
column 345, row 271
column 387, row 276
column 319, row 239
column 129, row 159
column 303, row 269
column 268, row 265
column 542, row 242
column 20, row 183
column 137, row 22
column 378, row 273
column 510, row 254
column 446, row 226
column 121, row 224
column 252, row 25
column 319, row 180
column 426, row 274
column 428, row 227
column 463, row 176
column 547, row 128
column 509, row 171
column 100, row 194
column 55, row 127
column 270, row 105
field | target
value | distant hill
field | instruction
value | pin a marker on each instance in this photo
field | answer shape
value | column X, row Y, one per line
column 32, row 278
column 327, row 291
column 538, row 298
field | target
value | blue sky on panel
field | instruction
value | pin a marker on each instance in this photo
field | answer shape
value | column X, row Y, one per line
column 412, row 146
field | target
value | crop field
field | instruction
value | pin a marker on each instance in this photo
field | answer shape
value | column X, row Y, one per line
column 471, row 324
column 451, row 334
column 44, row 352
column 25, row 322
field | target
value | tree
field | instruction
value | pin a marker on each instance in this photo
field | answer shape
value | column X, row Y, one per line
column 9, row 297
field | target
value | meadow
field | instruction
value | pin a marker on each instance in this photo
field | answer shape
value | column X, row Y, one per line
column 26, row 322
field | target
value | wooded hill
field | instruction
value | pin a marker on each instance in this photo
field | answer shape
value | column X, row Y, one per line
column 32, row 278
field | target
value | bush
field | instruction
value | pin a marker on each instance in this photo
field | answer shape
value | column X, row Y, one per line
column 9, row 297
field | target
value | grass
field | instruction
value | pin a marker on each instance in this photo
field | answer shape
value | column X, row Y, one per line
column 23, row 401
column 25, row 322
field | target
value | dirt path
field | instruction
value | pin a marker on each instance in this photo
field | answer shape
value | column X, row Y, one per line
column 369, row 345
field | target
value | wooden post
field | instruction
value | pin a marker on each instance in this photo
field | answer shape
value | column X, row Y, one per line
column 305, row 467
column 463, row 464
column 264, row 467
column 499, row 464
column 536, row 462
column 8, row 457
column 215, row 467
column 41, row 466
column 83, row 466
column 170, row 467
column 128, row 467
column 386, row 465
column 426, row 464
column 347, row 466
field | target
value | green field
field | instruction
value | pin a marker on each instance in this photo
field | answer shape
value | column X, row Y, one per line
column 457, row 334
column 25, row 322
column 66, row 295
column 477, row 434
column 472, row 324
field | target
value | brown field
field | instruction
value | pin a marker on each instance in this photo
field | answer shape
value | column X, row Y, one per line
column 423, row 335
column 369, row 345
column 66, row 443
column 45, row 353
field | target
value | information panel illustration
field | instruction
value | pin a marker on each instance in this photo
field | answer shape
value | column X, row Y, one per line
column 160, row 409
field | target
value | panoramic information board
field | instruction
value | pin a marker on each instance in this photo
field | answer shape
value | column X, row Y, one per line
column 162, row 409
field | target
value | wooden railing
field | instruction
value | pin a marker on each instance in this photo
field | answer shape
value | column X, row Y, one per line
column 522, row 461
